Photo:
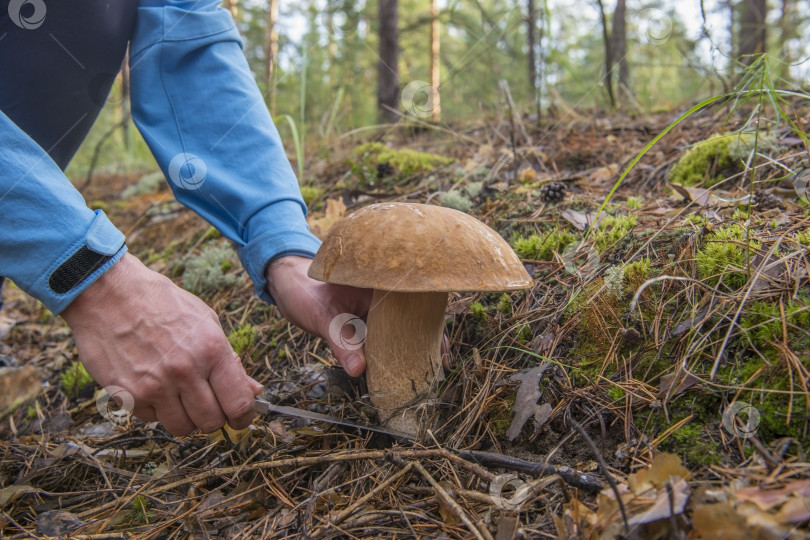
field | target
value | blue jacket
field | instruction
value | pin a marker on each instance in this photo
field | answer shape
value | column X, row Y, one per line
column 197, row 106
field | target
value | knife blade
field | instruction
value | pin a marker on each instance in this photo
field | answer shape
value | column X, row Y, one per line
column 262, row 406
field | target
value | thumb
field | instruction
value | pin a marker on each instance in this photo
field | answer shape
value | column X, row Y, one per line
column 353, row 361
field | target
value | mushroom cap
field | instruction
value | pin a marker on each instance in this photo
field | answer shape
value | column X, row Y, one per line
column 410, row 247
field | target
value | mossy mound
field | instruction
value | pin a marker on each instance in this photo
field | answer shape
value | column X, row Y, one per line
column 718, row 157
column 541, row 247
column 723, row 257
column 406, row 162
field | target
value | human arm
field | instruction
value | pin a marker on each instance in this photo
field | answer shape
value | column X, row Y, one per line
column 199, row 109
column 132, row 326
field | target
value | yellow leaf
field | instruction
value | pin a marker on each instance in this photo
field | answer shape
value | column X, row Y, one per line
column 335, row 210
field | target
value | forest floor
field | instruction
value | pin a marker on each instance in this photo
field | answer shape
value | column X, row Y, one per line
column 652, row 383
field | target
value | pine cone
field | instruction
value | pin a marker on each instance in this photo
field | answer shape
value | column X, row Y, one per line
column 765, row 200
column 553, row 192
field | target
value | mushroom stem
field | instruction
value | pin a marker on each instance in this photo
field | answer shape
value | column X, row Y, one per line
column 403, row 355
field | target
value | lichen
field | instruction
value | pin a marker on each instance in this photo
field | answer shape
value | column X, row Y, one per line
column 456, row 200
column 207, row 271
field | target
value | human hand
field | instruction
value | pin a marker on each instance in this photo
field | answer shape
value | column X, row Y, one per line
column 312, row 305
column 135, row 329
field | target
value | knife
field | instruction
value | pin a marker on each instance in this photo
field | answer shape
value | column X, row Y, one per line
column 262, row 406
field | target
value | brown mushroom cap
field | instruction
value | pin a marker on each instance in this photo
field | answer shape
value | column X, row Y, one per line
column 409, row 247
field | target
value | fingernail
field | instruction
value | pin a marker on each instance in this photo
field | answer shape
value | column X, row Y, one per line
column 354, row 365
column 256, row 385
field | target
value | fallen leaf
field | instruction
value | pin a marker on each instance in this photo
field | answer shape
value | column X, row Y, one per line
column 526, row 401
column 683, row 382
column 445, row 510
column 603, row 174
column 13, row 492
column 664, row 505
column 579, row 220
column 335, row 210
column 719, row 521
column 18, row 385
column 664, row 467
column 57, row 523
column 507, row 527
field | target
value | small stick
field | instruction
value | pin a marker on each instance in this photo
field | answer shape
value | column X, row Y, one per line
column 480, row 534
column 577, row 479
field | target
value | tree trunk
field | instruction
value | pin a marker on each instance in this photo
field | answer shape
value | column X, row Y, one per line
column 435, row 62
column 787, row 31
column 618, row 44
column 125, row 105
column 608, row 54
column 752, row 33
column 271, row 53
column 531, row 22
column 387, row 69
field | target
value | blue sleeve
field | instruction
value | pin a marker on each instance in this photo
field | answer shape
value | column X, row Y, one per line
column 44, row 222
column 198, row 107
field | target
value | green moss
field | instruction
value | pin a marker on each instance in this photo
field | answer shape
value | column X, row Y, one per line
column 718, row 157
column 615, row 392
column 541, row 247
column 74, row 379
column 694, row 443
column 763, row 320
column 803, row 237
column 242, row 338
column 211, row 234
column 634, row 203
column 310, row 193
column 407, row 162
column 505, row 304
column 699, row 220
column 612, row 229
column 723, row 255
column 501, row 415
column 478, row 311
column 140, row 513
column 523, row 333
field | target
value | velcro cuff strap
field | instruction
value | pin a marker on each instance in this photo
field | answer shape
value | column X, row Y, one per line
column 76, row 269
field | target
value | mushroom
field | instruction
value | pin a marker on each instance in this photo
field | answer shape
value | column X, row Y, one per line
column 412, row 255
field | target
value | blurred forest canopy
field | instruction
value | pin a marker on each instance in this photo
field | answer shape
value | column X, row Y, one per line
column 670, row 58
column 550, row 54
